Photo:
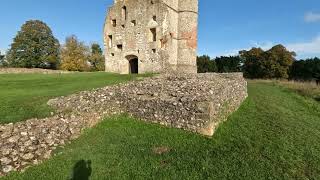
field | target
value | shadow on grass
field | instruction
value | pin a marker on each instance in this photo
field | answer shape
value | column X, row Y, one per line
column 81, row 170
column 317, row 99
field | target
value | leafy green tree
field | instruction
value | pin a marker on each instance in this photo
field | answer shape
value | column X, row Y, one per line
column 274, row 63
column 96, row 58
column 3, row 62
column 308, row 69
column 253, row 63
column 34, row 47
column 74, row 55
column 205, row 64
column 228, row 64
column 278, row 62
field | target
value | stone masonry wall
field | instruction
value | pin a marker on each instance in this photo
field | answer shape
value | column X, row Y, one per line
column 197, row 103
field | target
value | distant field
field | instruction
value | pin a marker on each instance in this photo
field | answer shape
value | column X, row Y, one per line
column 274, row 135
column 24, row 96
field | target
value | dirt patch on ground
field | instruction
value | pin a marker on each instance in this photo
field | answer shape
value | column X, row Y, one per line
column 161, row 150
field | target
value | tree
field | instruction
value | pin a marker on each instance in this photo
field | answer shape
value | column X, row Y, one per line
column 279, row 61
column 96, row 58
column 2, row 60
column 228, row 64
column 252, row 67
column 308, row 69
column 205, row 64
column 74, row 55
column 274, row 63
column 34, row 47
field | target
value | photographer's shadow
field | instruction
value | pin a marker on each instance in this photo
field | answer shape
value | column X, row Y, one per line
column 81, row 170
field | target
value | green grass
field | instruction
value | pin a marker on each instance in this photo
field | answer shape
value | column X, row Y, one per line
column 274, row 135
column 24, row 96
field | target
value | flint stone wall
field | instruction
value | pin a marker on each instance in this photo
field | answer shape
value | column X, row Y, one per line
column 196, row 103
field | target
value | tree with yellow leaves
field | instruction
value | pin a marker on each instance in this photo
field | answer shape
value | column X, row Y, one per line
column 74, row 55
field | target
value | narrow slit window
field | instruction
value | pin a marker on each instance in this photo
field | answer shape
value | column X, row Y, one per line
column 153, row 32
column 110, row 41
column 154, row 18
column 124, row 13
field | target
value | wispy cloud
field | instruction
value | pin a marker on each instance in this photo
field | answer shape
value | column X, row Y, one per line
column 263, row 45
column 305, row 48
column 311, row 17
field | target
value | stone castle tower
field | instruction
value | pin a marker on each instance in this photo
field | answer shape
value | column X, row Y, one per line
column 155, row 36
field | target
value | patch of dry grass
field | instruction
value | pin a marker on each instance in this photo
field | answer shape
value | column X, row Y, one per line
column 308, row 89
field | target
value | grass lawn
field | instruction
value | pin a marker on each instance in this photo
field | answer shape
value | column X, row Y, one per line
column 24, row 96
column 274, row 135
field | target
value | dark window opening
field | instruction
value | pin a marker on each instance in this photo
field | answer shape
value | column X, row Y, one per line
column 134, row 67
column 112, row 54
column 133, row 22
column 154, row 18
column 153, row 34
column 114, row 23
column 120, row 47
column 154, row 50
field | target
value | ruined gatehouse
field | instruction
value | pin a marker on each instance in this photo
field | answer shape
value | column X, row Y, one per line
column 151, row 36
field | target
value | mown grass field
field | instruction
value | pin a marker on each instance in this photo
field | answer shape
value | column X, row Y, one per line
column 274, row 135
column 24, row 96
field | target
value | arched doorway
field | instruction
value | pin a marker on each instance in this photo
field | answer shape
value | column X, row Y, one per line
column 133, row 64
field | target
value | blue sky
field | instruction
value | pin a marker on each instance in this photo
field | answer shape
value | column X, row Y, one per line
column 225, row 26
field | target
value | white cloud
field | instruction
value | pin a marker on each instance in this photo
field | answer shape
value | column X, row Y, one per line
column 305, row 48
column 312, row 17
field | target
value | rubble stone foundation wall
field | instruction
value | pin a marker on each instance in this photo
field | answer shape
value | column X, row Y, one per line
column 194, row 102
